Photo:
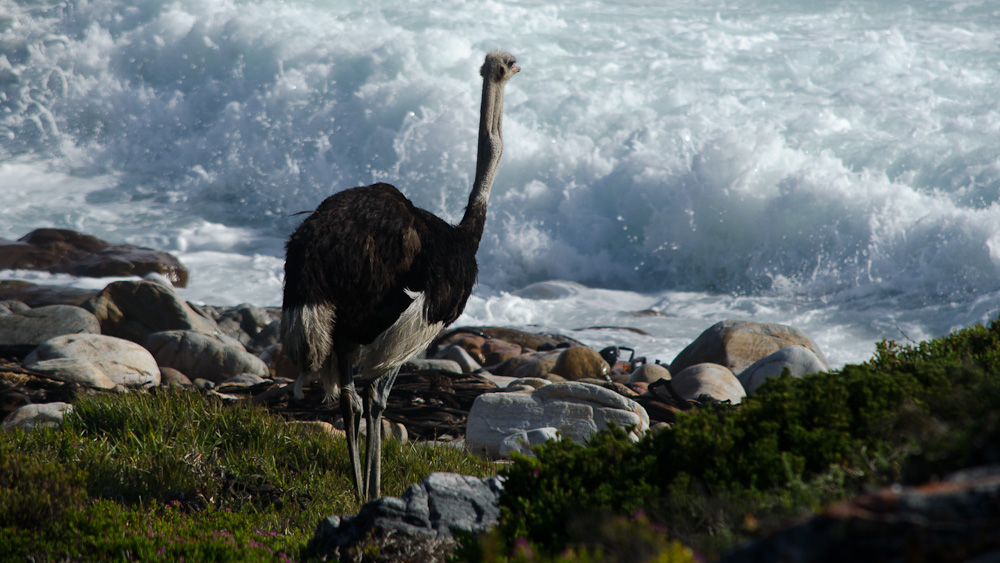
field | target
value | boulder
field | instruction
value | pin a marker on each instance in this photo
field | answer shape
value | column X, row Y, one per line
column 708, row 379
column 429, row 513
column 496, row 351
column 199, row 355
column 126, row 363
column 69, row 252
column 575, row 409
column 37, row 295
column 245, row 323
column 172, row 377
column 33, row 416
column 34, row 326
column 73, row 370
column 135, row 309
column 648, row 373
column 798, row 360
column 738, row 344
column 418, row 364
column 534, row 364
column 470, row 342
column 955, row 520
column 580, row 362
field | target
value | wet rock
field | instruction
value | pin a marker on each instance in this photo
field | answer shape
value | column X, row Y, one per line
column 739, row 344
column 648, row 373
column 431, row 513
column 126, row 363
column 576, row 409
column 708, row 379
column 36, row 295
column 69, row 252
column 199, row 355
column 134, row 310
column 73, row 370
column 580, row 362
column 798, row 360
column 34, row 416
column 34, row 326
column 496, row 351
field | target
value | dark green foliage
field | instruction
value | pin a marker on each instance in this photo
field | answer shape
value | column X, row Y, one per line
column 910, row 414
column 34, row 492
column 542, row 496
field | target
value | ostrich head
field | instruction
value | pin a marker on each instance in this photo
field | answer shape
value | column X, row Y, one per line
column 499, row 66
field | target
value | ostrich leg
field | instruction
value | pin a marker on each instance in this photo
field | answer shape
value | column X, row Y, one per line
column 350, row 408
column 376, row 395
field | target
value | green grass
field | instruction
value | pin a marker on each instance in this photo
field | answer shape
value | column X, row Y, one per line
column 166, row 475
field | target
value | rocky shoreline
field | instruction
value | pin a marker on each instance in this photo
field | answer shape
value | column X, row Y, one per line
column 490, row 390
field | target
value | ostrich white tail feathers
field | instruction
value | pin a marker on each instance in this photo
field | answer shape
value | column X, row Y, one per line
column 410, row 334
column 306, row 335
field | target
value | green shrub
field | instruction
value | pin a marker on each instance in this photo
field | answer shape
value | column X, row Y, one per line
column 722, row 473
column 35, row 490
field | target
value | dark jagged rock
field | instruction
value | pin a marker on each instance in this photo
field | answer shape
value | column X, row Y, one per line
column 430, row 512
column 953, row 520
column 68, row 252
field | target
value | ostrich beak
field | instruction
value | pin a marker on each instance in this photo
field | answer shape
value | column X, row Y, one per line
column 516, row 69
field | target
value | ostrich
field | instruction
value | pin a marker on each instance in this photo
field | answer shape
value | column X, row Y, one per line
column 371, row 278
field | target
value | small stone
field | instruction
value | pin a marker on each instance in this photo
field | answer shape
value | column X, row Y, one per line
column 126, row 363
column 34, row 416
column 459, row 355
column 648, row 373
column 580, row 362
column 708, row 379
column 318, row 426
column 172, row 377
column 417, row 364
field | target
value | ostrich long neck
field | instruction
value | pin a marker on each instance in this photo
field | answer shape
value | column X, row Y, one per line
column 487, row 157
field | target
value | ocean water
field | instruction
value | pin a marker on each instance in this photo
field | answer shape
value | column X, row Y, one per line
column 831, row 165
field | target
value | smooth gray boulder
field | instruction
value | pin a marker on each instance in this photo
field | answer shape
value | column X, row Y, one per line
column 34, row 416
column 799, row 361
column 523, row 442
column 429, row 513
column 73, row 370
column 708, row 379
column 198, row 355
column 126, row 363
column 34, row 326
column 576, row 409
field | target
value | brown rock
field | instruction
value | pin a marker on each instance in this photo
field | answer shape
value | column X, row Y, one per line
column 536, row 364
column 708, row 379
column 35, row 295
column 134, row 310
column 580, row 362
column 738, row 344
column 69, row 252
column 648, row 373
column 496, row 351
